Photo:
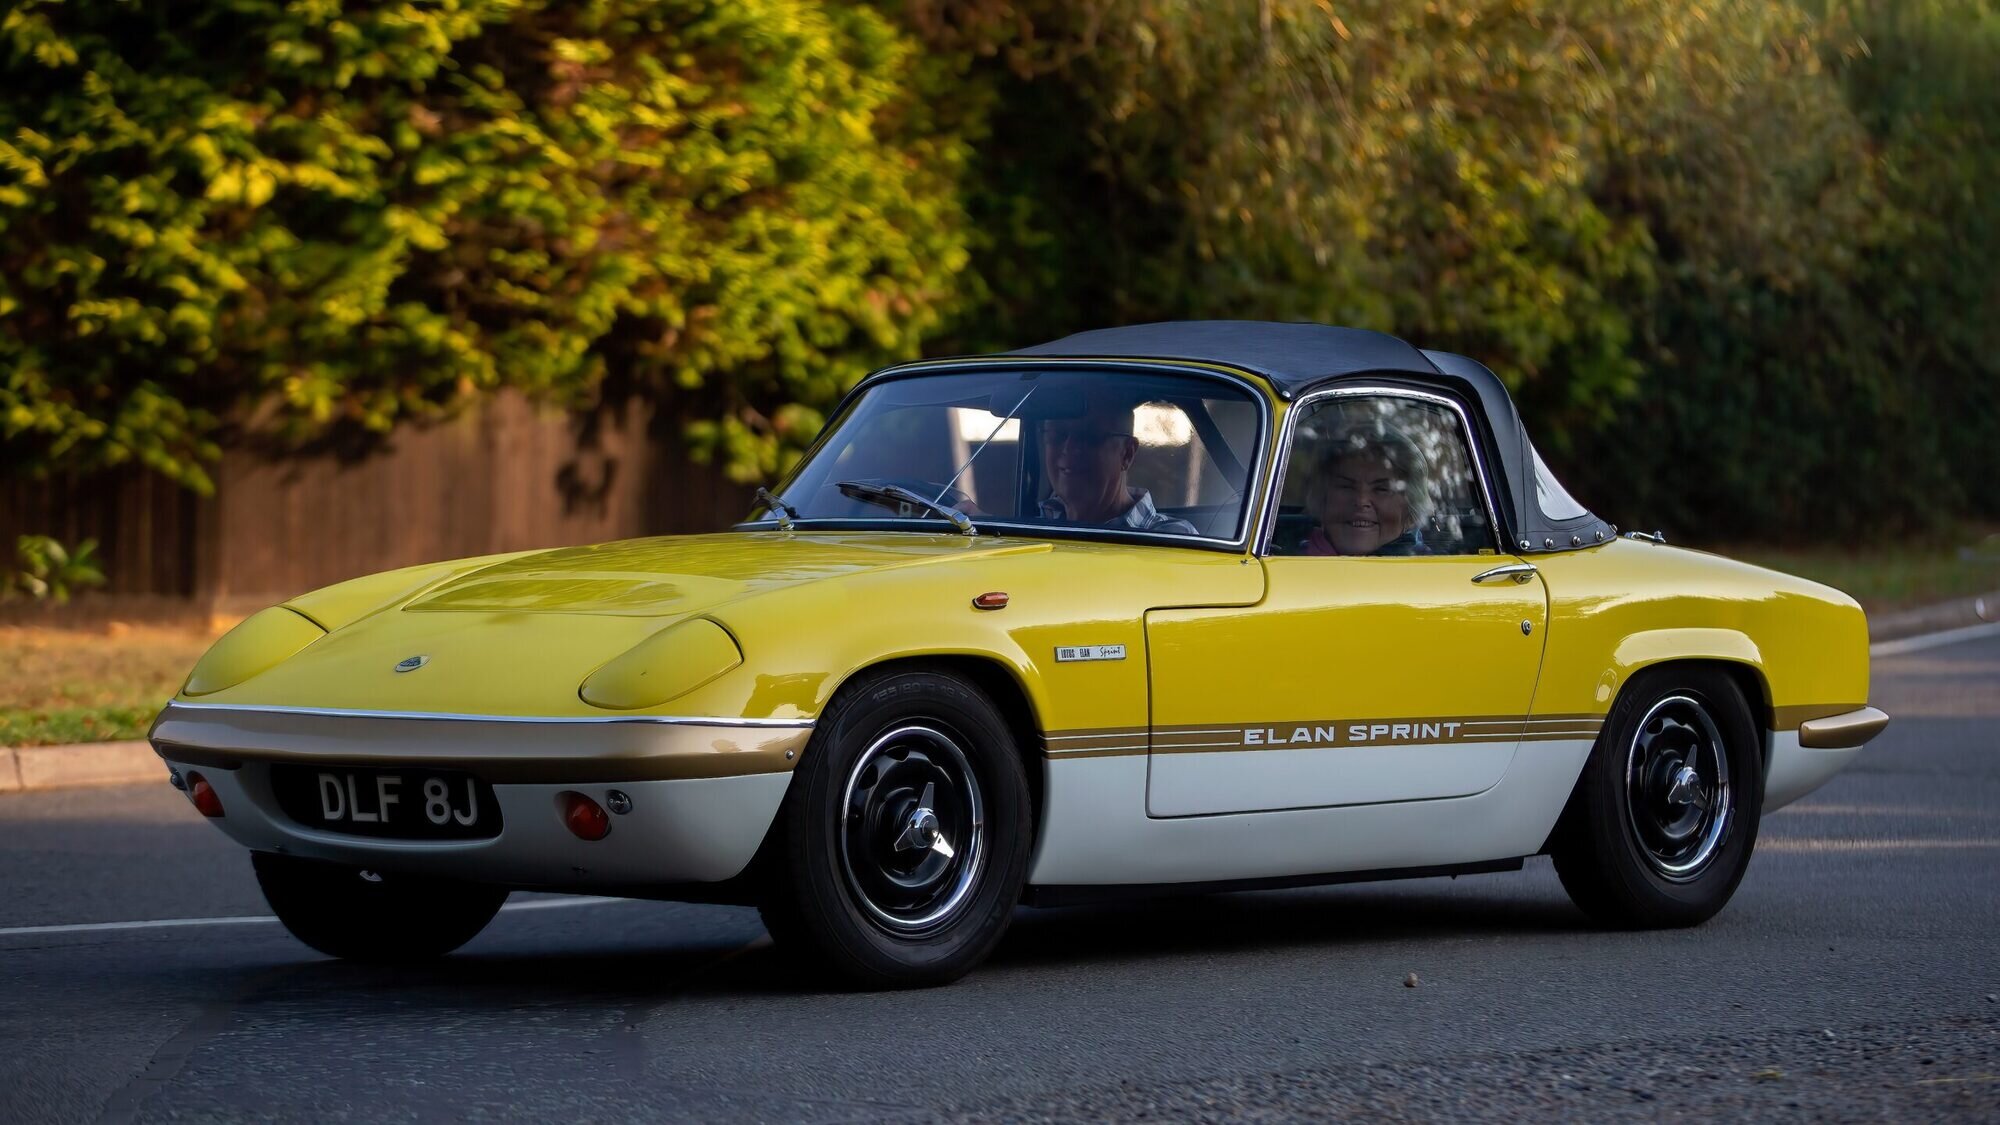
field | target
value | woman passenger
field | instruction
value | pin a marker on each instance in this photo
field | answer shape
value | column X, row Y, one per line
column 1367, row 494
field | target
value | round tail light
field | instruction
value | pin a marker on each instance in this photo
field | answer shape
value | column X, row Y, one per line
column 585, row 818
column 203, row 795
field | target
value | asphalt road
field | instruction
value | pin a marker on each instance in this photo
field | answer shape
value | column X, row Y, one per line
column 1854, row 976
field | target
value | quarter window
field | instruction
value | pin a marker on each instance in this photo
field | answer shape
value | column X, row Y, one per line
column 1381, row 474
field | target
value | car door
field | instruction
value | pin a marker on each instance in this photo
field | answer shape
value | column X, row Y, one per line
column 1395, row 653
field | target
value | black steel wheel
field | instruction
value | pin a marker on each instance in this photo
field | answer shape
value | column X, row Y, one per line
column 364, row 915
column 900, row 851
column 1677, row 797
column 1661, row 825
column 913, row 837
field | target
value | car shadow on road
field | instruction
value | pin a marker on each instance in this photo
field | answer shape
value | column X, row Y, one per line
column 649, row 969
column 1268, row 920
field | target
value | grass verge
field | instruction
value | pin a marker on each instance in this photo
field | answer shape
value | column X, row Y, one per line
column 60, row 685
column 1897, row 576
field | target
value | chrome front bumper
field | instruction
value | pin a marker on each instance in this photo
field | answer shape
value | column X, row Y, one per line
column 703, row 791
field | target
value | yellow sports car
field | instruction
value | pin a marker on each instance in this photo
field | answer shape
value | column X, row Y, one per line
column 1194, row 606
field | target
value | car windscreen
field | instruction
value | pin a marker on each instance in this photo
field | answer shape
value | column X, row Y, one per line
column 1121, row 451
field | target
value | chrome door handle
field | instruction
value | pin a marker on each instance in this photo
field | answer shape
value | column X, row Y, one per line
column 1519, row 572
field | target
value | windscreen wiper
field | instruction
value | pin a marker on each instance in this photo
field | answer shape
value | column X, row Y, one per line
column 898, row 497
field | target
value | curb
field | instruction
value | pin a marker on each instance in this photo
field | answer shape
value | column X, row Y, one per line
column 1954, row 614
column 27, row 768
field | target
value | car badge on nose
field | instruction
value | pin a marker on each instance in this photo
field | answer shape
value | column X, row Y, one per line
column 412, row 663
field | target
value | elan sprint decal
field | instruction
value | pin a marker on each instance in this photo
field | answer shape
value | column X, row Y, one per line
column 1068, row 653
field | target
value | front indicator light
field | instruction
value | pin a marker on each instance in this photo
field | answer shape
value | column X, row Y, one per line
column 203, row 795
column 663, row 667
column 259, row 643
column 585, row 818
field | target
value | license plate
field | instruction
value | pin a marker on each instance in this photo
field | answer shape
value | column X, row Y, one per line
column 414, row 804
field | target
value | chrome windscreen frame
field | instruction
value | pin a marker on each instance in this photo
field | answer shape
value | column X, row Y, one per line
column 1247, row 523
column 1274, row 489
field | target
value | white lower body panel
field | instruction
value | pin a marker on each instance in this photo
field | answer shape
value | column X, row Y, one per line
column 1096, row 830
column 1210, row 782
column 698, row 830
column 1794, row 770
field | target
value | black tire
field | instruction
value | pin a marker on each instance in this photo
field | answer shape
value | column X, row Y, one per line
column 362, row 916
column 1642, row 845
column 857, row 883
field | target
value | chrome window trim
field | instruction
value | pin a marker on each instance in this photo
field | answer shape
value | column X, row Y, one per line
column 1274, row 493
column 1259, row 393
column 175, row 706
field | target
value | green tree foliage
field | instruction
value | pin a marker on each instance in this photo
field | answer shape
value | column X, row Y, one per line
column 48, row 571
column 1734, row 256
column 1823, row 360
column 317, row 219
column 1707, row 242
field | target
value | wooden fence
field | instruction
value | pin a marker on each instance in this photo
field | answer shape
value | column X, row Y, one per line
column 505, row 477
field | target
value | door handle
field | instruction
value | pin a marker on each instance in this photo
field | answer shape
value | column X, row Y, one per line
column 1519, row 572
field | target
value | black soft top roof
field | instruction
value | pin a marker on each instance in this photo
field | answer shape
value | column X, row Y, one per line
column 1292, row 357
column 1297, row 358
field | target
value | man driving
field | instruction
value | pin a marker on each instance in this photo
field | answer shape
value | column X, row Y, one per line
column 1085, row 461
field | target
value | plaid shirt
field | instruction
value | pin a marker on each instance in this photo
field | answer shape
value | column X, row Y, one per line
column 1141, row 516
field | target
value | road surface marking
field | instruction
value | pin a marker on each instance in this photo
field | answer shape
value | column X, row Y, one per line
column 1827, row 844
column 263, row 919
column 1934, row 640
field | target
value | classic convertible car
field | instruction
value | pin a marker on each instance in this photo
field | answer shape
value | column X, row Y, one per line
column 1182, row 606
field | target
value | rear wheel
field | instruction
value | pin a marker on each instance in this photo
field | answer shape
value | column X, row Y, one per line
column 903, row 842
column 368, row 916
column 1662, row 823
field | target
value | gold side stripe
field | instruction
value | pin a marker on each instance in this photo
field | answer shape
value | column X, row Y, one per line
column 1236, row 748
column 1463, row 720
column 1319, row 734
column 1104, row 736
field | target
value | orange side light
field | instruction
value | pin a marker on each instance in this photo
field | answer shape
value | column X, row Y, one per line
column 992, row 599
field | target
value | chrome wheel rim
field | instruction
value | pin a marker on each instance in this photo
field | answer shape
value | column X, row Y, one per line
column 912, row 830
column 1677, row 788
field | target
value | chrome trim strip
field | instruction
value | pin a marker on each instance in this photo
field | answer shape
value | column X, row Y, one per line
column 1259, row 392
column 1274, row 488
column 445, row 716
column 1841, row 732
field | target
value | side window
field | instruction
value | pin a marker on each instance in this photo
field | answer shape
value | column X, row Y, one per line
column 1381, row 475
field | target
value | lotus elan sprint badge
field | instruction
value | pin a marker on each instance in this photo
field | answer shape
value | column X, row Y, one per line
column 1066, row 653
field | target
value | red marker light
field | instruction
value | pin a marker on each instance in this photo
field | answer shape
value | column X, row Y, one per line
column 203, row 795
column 992, row 599
column 585, row 818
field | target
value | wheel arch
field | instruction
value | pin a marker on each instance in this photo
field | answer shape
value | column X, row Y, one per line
column 1728, row 650
column 1001, row 682
column 1746, row 674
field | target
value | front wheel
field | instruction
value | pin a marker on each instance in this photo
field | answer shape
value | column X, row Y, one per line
column 903, row 842
column 368, row 916
column 1659, row 830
